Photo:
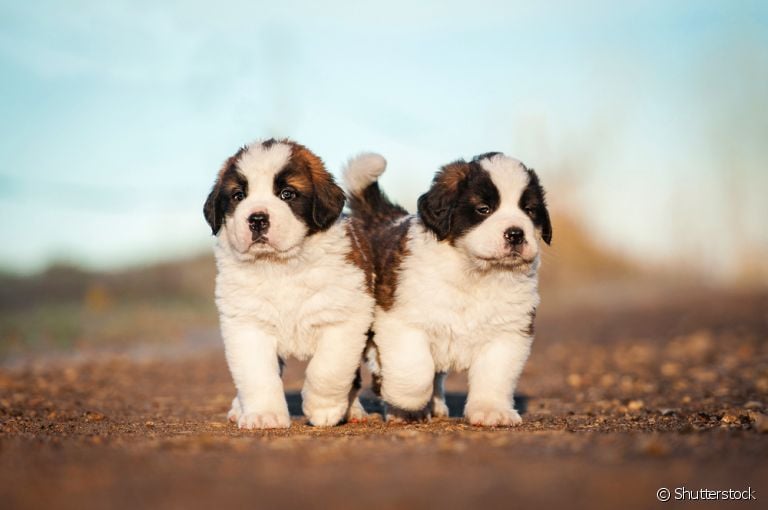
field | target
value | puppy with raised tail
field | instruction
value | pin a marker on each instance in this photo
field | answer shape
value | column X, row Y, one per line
column 293, row 280
column 455, row 285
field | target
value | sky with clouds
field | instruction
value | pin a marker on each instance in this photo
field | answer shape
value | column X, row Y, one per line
column 646, row 120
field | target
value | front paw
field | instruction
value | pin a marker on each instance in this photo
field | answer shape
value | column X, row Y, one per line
column 267, row 420
column 492, row 416
column 439, row 408
column 235, row 412
column 326, row 416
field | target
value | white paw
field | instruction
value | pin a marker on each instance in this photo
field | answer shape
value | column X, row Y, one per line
column 326, row 416
column 439, row 408
column 234, row 413
column 264, row 421
column 397, row 415
column 356, row 413
column 491, row 416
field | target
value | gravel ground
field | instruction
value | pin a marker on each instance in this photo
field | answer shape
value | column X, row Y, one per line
column 618, row 400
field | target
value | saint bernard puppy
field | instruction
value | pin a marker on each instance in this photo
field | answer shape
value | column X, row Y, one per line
column 292, row 281
column 455, row 285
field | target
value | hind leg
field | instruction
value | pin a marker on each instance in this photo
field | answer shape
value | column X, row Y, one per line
column 439, row 407
column 436, row 408
column 356, row 413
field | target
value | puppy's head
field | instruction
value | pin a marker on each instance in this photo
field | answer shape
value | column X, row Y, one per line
column 269, row 197
column 491, row 208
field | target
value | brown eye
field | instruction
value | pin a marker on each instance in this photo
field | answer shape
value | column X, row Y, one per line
column 238, row 195
column 483, row 210
column 287, row 194
column 530, row 211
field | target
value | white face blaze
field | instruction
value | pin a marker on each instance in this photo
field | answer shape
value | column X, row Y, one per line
column 259, row 165
column 486, row 240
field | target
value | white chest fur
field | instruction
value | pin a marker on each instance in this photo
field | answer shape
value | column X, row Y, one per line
column 291, row 298
column 460, row 309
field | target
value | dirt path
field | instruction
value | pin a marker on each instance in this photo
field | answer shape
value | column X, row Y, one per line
column 618, row 402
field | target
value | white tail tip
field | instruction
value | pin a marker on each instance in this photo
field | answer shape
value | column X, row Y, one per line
column 363, row 170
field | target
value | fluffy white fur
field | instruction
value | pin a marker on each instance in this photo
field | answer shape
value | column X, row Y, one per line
column 363, row 170
column 454, row 311
column 298, row 297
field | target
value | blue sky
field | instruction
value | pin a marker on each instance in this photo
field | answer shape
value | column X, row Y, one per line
column 646, row 120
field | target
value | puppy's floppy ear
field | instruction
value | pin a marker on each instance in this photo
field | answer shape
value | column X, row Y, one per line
column 328, row 201
column 541, row 219
column 212, row 209
column 436, row 205
column 215, row 205
column 327, row 196
column 546, row 226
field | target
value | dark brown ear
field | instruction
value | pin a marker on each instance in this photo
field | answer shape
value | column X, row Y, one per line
column 328, row 198
column 216, row 204
column 537, row 201
column 328, row 202
column 546, row 227
column 436, row 206
column 212, row 209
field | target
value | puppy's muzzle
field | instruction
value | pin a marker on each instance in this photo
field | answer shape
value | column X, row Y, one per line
column 515, row 237
column 258, row 223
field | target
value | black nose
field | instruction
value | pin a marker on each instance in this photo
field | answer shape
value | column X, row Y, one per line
column 514, row 236
column 258, row 222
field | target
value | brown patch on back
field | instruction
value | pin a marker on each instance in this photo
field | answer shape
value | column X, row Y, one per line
column 391, row 247
column 360, row 253
column 373, row 207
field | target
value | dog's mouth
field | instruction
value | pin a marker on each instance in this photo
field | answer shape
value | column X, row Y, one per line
column 512, row 261
column 261, row 247
column 509, row 258
column 260, row 244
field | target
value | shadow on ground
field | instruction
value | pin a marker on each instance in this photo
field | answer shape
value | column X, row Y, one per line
column 371, row 404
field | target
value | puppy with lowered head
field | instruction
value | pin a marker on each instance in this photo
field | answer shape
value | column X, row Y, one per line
column 455, row 285
column 292, row 281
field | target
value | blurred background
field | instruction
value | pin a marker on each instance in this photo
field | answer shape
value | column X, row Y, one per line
column 646, row 121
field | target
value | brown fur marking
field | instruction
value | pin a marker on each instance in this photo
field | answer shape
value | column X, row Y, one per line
column 452, row 174
column 360, row 253
column 374, row 208
column 376, row 377
column 529, row 331
column 308, row 160
column 391, row 248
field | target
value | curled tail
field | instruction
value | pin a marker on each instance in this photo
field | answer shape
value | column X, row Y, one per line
column 366, row 201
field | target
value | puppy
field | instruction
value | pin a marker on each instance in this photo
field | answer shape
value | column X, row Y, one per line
column 293, row 280
column 456, row 284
